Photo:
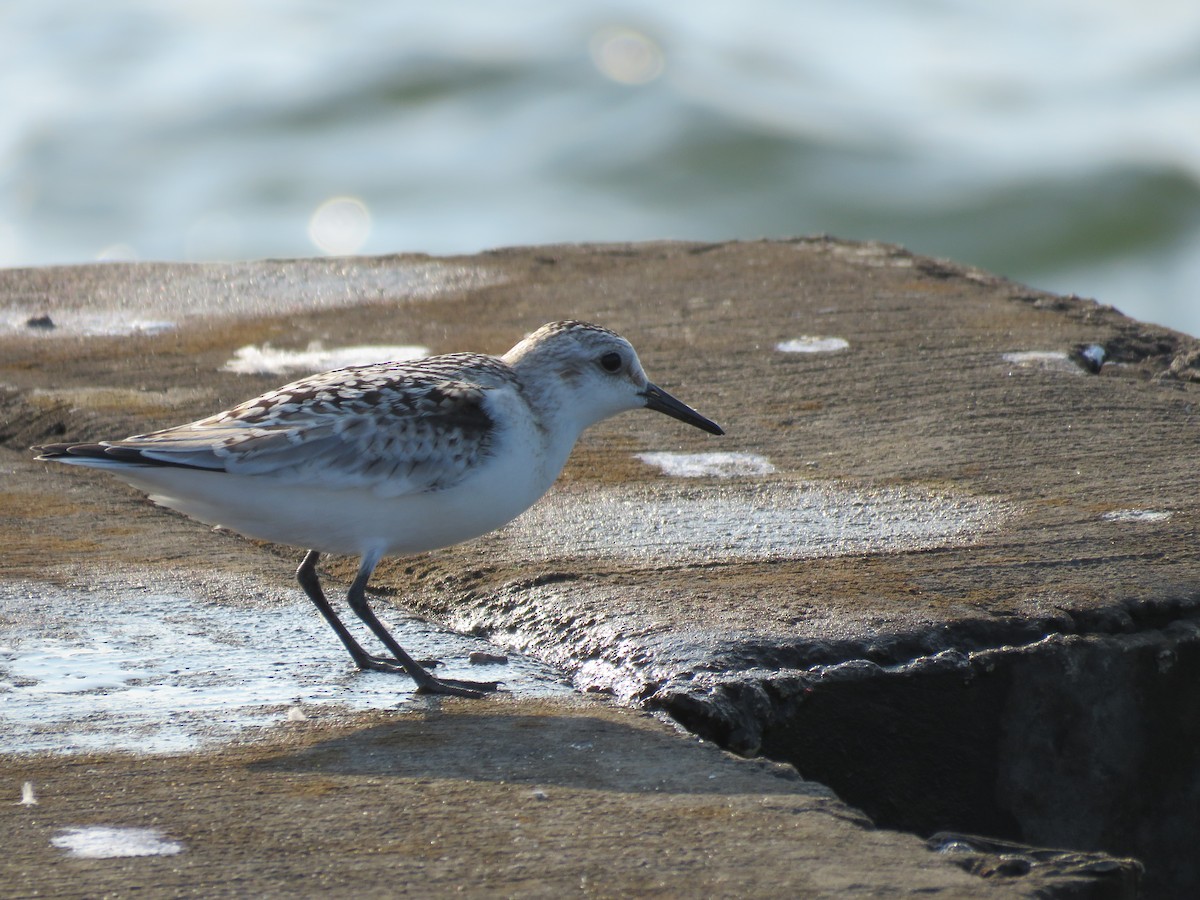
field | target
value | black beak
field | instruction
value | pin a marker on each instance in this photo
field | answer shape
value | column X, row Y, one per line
column 660, row 401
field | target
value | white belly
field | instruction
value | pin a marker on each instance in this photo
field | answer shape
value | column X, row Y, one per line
column 354, row 520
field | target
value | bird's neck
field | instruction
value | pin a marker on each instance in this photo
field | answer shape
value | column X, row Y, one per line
column 557, row 416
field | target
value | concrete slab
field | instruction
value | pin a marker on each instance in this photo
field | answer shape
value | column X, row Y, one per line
column 935, row 481
column 512, row 798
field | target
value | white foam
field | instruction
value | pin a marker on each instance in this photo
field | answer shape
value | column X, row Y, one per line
column 1136, row 515
column 813, row 344
column 103, row 842
column 266, row 360
column 719, row 465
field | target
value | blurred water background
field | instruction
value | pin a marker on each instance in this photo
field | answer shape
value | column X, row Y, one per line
column 1053, row 141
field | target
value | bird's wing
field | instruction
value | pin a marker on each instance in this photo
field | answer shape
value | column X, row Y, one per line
column 395, row 428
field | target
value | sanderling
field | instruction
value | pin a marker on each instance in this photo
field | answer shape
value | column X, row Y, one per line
column 390, row 458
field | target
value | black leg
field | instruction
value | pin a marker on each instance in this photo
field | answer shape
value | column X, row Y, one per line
column 307, row 576
column 426, row 683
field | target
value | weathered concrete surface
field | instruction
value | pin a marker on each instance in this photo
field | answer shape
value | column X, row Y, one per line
column 980, row 501
column 496, row 799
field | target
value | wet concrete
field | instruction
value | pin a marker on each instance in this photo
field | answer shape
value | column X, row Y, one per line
column 135, row 667
column 936, row 506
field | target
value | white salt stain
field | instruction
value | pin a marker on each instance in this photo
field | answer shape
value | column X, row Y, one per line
column 267, row 360
column 1136, row 515
column 1051, row 360
column 698, row 465
column 813, row 344
column 104, row 842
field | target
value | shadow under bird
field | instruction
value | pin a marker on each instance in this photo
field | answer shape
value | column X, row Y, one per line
column 390, row 458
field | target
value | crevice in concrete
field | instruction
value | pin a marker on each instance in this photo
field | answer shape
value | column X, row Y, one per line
column 1083, row 741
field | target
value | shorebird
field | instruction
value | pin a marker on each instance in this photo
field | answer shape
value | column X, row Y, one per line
column 393, row 458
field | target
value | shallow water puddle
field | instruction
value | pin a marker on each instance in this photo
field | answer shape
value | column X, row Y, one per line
column 155, row 672
column 788, row 519
column 98, row 323
column 185, row 293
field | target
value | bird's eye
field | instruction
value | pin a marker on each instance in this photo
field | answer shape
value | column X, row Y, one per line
column 611, row 362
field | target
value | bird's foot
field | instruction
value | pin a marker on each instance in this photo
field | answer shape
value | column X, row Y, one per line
column 388, row 664
column 426, row 683
column 453, row 687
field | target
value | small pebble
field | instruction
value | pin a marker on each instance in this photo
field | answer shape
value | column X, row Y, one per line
column 42, row 321
column 482, row 658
